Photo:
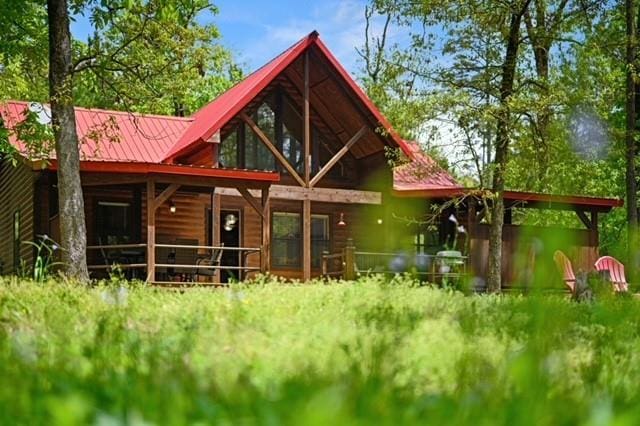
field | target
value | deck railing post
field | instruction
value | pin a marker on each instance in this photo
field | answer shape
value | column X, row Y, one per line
column 325, row 269
column 349, row 261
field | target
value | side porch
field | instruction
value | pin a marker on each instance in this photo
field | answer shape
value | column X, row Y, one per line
column 161, row 223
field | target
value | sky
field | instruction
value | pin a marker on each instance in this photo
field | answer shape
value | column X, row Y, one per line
column 258, row 30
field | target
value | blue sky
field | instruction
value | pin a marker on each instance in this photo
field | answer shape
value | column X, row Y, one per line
column 258, row 30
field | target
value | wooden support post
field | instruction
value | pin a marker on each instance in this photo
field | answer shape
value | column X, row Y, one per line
column 216, row 219
column 325, row 264
column 306, row 239
column 265, row 255
column 151, row 230
column 349, row 261
column 307, row 124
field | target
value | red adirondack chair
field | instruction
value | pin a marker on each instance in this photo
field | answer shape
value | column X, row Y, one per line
column 616, row 272
column 564, row 265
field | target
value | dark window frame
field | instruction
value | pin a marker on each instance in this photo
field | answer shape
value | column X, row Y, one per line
column 327, row 243
column 129, row 231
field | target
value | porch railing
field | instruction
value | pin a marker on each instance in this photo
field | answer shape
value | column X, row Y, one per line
column 191, row 267
column 350, row 263
column 130, row 258
column 186, row 261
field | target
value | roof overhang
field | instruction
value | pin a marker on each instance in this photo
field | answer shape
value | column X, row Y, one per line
column 522, row 199
column 195, row 175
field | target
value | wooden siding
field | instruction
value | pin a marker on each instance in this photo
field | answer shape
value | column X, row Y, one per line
column 16, row 195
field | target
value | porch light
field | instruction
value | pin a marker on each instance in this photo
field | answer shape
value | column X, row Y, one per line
column 379, row 221
column 172, row 208
column 230, row 222
column 341, row 222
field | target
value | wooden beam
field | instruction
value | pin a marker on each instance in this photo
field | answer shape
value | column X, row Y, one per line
column 164, row 195
column 327, row 195
column 151, row 230
column 102, row 179
column 265, row 255
column 306, row 123
column 334, row 160
column 265, row 140
column 583, row 217
column 249, row 198
column 306, row 239
column 206, row 182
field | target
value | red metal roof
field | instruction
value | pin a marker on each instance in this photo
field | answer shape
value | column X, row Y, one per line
column 422, row 173
column 216, row 114
column 139, row 137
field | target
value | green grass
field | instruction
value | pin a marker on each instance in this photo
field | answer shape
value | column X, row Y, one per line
column 372, row 352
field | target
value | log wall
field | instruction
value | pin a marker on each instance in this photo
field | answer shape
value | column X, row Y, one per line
column 17, row 186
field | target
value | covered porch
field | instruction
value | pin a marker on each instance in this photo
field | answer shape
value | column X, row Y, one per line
column 162, row 223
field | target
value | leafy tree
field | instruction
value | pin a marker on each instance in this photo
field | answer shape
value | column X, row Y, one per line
column 146, row 56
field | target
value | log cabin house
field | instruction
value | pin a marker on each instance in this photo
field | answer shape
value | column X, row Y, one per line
column 286, row 165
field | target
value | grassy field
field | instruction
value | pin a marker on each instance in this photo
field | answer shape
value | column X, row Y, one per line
column 370, row 352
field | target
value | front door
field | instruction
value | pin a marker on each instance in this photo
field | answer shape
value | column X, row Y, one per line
column 230, row 228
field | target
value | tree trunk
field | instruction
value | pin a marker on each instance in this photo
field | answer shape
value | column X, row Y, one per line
column 630, row 145
column 71, row 202
column 494, row 277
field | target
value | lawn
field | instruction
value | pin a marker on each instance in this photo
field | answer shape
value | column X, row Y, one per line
column 370, row 352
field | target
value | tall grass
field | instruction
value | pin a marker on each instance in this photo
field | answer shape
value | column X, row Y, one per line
column 370, row 352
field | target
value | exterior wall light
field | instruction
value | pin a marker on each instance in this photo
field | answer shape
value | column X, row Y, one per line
column 341, row 222
column 172, row 208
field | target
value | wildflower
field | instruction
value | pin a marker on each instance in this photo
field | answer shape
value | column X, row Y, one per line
column 453, row 219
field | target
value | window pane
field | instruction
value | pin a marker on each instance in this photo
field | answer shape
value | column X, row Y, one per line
column 292, row 134
column 228, row 153
column 320, row 240
column 286, row 240
column 257, row 155
column 113, row 220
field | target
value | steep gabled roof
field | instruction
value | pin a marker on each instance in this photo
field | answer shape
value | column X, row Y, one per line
column 216, row 114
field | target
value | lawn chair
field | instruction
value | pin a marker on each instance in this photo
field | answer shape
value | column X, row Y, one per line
column 213, row 260
column 564, row 265
column 616, row 272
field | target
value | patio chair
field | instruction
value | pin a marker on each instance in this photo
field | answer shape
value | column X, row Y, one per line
column 186, row 256
column 564, row 265
column 615, row 269
column 212, row 260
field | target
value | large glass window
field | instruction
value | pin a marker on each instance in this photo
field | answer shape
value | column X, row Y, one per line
column 228, row 151
column 256, row 155
column 320, row 240
column 286, row 240
column 113, row 220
